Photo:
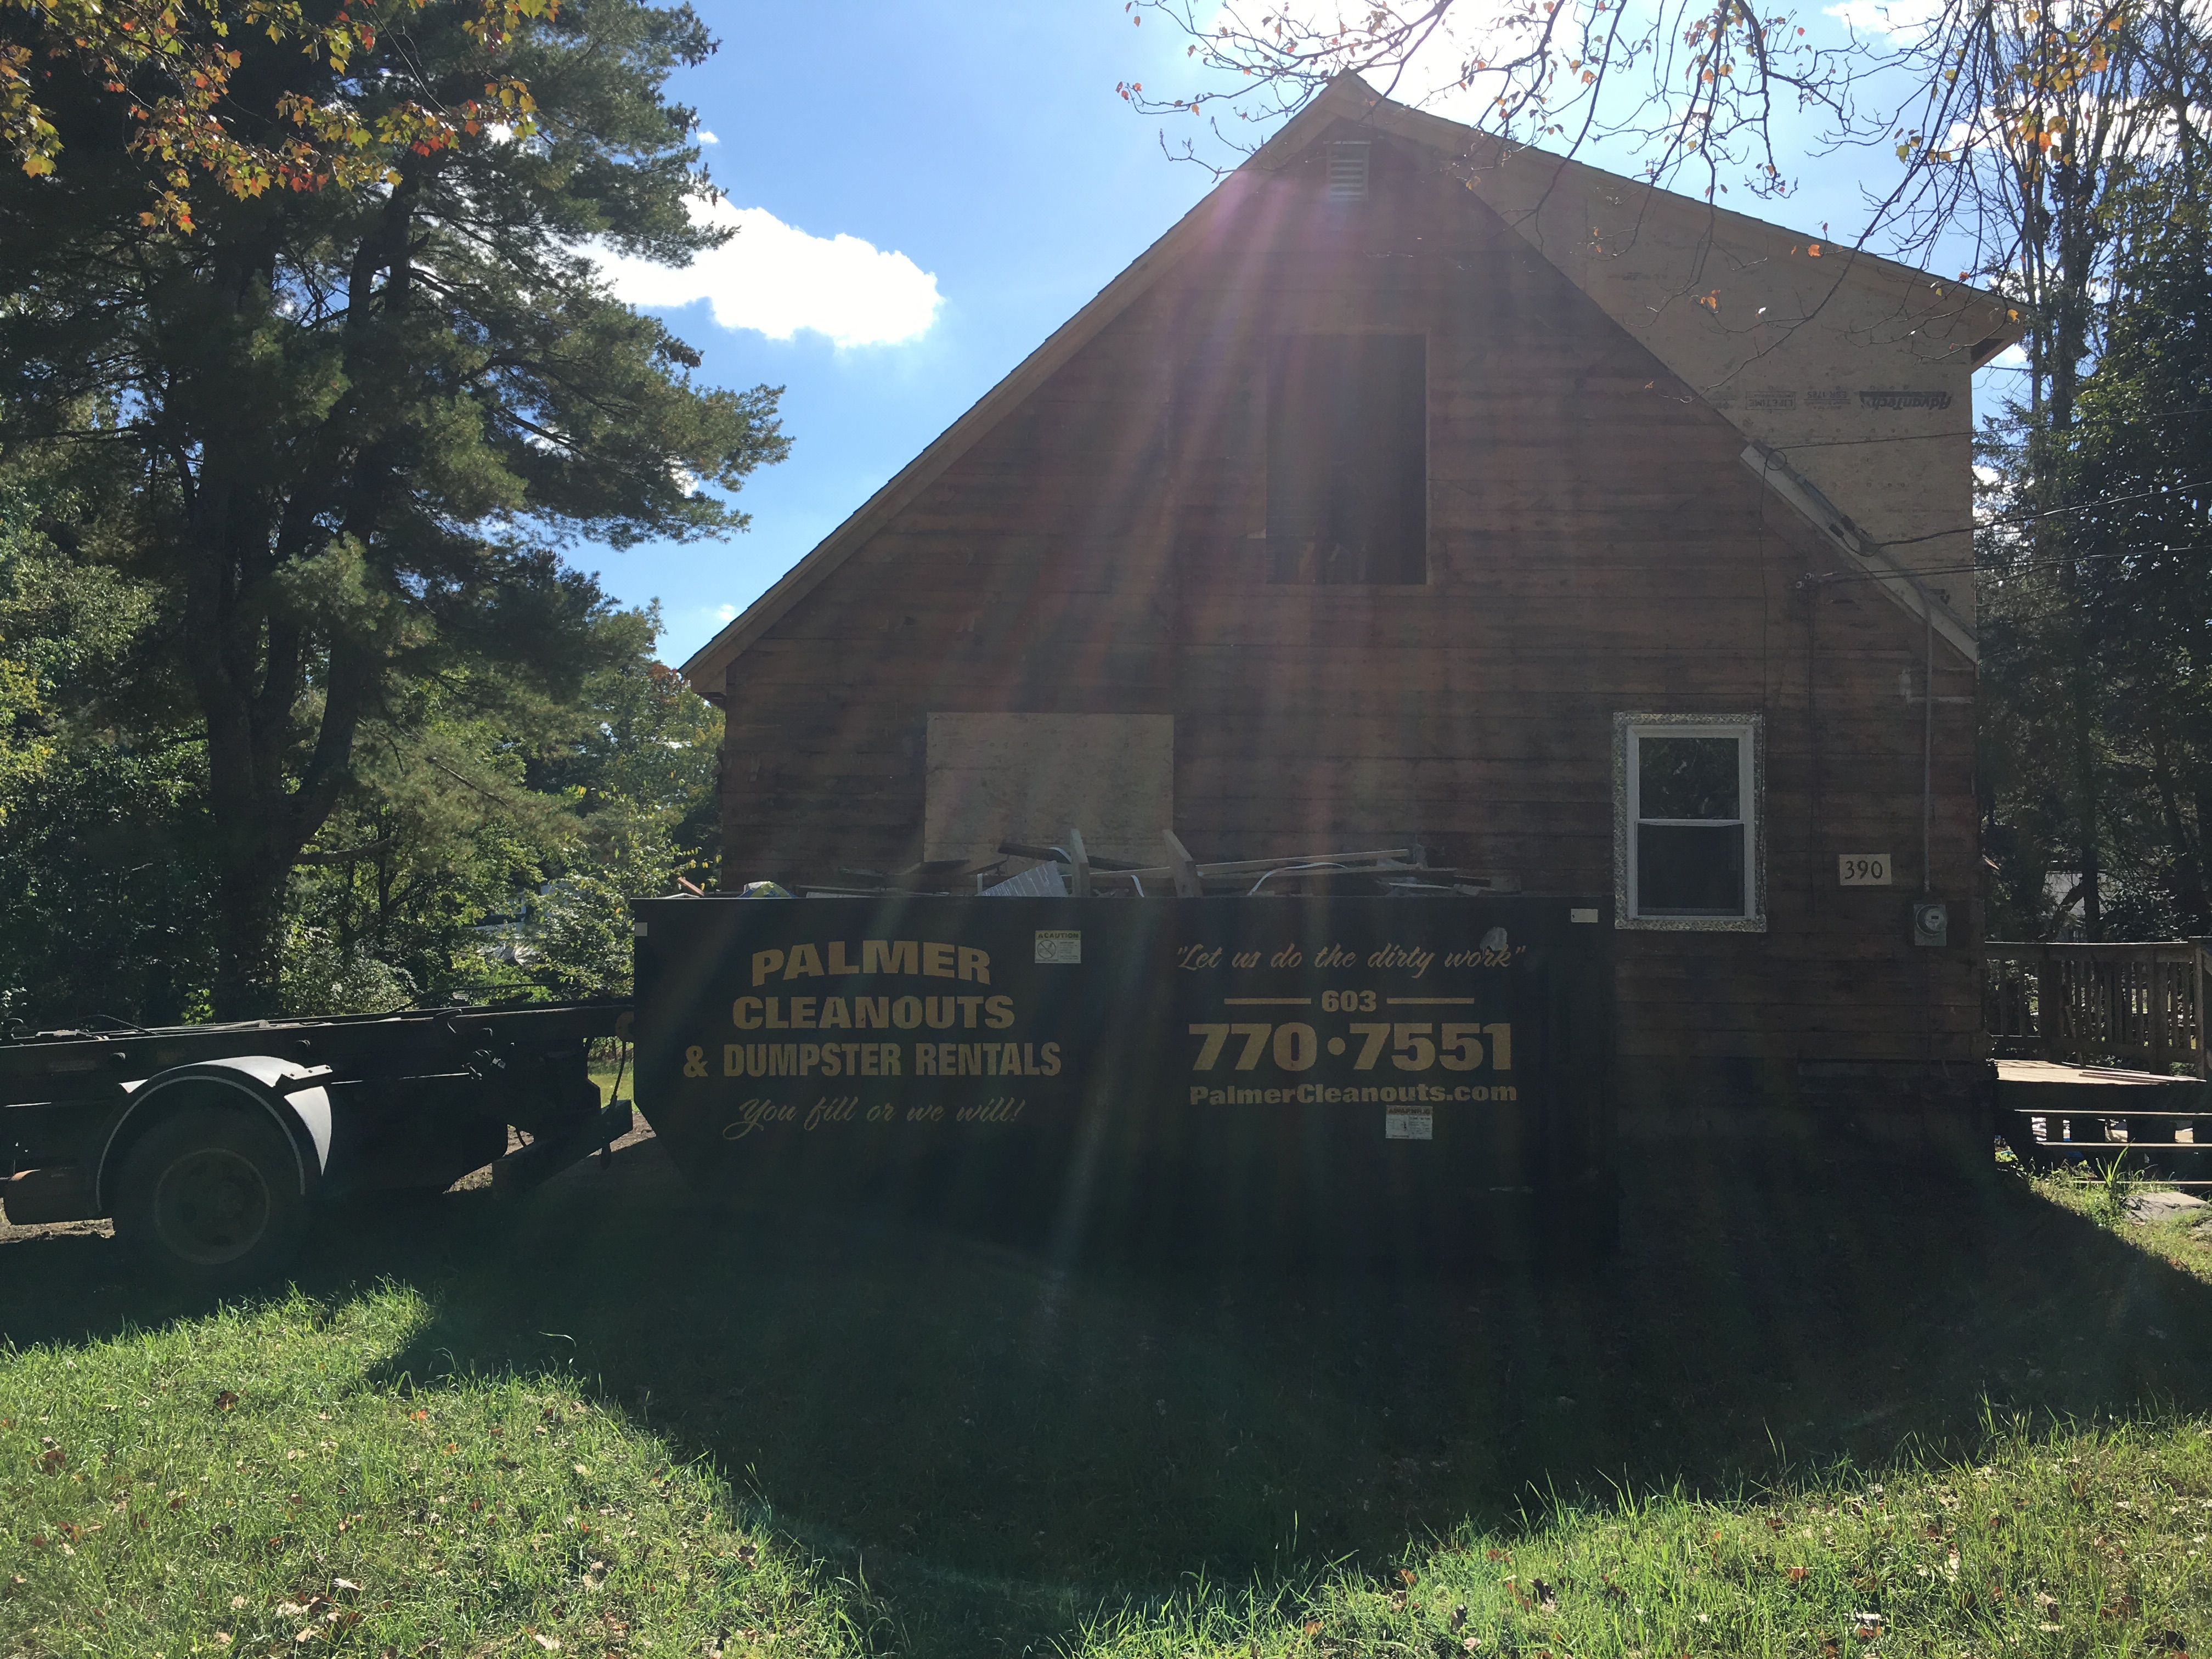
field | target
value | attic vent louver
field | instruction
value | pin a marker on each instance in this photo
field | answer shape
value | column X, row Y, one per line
column 1347, row 171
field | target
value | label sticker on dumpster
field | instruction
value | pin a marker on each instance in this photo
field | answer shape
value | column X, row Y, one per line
column 1409, row 1125
column 1065, row 948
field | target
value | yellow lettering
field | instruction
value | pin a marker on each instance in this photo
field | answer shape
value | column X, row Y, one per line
column 805, row 964
column 765, row 963
column 936, row 960
column 837, row 962
column 975, row 965
column 745, row 1013
column 1501, row 1046
column 999, row 1012
column 833, row 1014
column 885, row 957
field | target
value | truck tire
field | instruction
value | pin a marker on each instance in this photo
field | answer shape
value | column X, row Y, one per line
column 209, row 1199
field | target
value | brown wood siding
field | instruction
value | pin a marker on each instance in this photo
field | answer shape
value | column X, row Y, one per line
column 1594, row 547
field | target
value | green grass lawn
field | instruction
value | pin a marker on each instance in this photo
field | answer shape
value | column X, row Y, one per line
column 262, row 1481
column 1788, row 1420
column 2089, row 1542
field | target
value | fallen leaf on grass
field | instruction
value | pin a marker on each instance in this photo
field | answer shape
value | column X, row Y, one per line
column 1797, row 1574
column 224, row 1401
column 551, row 1643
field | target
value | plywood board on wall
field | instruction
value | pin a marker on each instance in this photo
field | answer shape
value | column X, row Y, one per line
column 1028, row 777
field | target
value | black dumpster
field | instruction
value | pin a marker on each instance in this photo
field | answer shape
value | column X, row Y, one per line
column 1417, row 1080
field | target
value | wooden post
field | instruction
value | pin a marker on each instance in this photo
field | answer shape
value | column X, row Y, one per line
column 1187, row 883
column 2048, row 999
column 1081, row 860
column 2161, row 987
column 2197, row 1007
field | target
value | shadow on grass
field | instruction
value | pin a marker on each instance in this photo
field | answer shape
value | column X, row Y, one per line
column 1001, row 1448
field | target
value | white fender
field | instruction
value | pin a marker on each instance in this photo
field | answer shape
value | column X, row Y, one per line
column 289, row 1091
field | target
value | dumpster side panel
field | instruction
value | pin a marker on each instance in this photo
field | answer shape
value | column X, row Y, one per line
column 1351, row 1077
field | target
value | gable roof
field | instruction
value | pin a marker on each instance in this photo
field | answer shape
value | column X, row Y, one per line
column 1345, row 98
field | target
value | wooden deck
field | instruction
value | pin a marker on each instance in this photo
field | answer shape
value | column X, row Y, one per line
column 2098, row 1005
column 2051, row 1114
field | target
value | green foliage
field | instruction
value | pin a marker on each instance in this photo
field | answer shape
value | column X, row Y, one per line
column 257, row 1480
column 2097, row 747
column 498, row 849
column 487, row 845
column 443, row 395
column 105, row 889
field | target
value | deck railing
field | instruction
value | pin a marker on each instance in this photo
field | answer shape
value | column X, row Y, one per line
column 2138, row 1006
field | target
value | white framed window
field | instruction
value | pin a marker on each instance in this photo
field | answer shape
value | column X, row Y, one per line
column 1687, row 847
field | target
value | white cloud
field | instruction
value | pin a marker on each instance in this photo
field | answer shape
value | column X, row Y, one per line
column 706, row 138
column 1898, row 18
column 727, row 612
column 776, row 278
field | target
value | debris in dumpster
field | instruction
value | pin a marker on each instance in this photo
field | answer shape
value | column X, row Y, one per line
column 1070, row 870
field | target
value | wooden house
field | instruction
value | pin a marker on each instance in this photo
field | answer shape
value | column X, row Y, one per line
column 1413, row 489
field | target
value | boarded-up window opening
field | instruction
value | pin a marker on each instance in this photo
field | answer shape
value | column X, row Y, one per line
column 994, row 777
column 1347, row 459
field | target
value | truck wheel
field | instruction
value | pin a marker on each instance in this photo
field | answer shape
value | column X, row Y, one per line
column 210, row 1198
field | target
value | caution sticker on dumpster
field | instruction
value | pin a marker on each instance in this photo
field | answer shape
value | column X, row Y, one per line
column 1061, row 948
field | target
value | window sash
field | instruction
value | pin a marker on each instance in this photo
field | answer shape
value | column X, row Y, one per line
column 1745, row 907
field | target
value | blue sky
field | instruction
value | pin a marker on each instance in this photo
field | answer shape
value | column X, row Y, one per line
column 973, row 153
column 985, row 143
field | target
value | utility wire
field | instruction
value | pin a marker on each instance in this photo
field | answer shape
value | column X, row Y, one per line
column 1840, row 576
column 1927, row 437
